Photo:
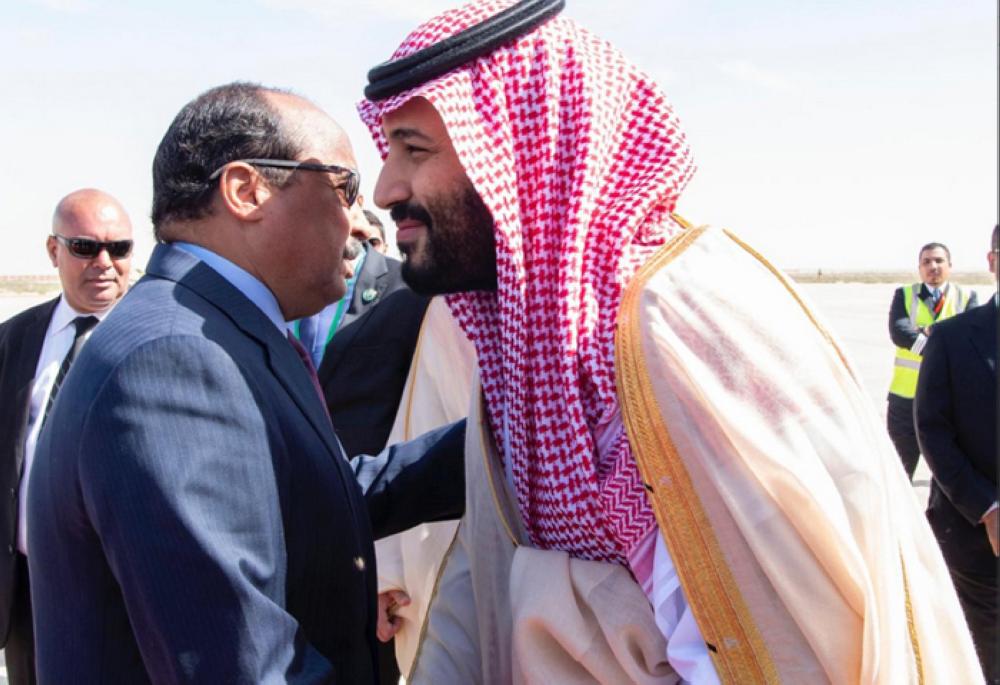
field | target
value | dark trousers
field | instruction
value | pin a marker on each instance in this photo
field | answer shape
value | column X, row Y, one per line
column 978, row 596
column 899, row 422
column 388, row 670
column 20, row 650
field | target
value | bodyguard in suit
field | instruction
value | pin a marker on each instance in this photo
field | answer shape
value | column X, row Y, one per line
column 365, row 364
column 914, row 312
column 91, row 246
column 194, row 516
column 956, row 419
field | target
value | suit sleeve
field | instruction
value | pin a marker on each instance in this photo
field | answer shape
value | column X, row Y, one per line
column 179, row 480
column 934, row 417
column 415, row 482
column 902, row 332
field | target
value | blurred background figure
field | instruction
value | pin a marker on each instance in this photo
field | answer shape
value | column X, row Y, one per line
column 956, row 423
column 376, row 240
column 91, row 246
column 914, row 310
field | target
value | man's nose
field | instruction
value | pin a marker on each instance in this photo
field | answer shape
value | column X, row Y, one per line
column 391, row 188
column 102, row 260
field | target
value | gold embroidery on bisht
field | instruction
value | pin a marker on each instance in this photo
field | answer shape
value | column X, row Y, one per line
column 735, row 644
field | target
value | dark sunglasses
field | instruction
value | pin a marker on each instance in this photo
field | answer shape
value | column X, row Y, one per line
column 85, row 248
column 351, row 184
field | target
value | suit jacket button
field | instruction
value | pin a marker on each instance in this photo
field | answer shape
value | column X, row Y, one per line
column 13, row 493
column 10, row 550
column 359, row 563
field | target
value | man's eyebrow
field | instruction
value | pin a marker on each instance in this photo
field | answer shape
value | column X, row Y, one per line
column 409, row 133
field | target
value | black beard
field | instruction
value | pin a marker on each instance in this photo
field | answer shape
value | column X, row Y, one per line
column 458, row 251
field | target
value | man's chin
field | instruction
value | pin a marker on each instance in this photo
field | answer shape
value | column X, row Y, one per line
column 336, row 294
column 418, row 276
column 98, row 302
column 424, row 277
column 430, row 281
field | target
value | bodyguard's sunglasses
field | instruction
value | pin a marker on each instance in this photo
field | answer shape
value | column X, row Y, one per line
column 351, row 179
column 85, row 248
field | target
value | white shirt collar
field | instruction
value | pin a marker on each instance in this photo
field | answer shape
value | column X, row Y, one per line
column 64, row 315
column 240, row 278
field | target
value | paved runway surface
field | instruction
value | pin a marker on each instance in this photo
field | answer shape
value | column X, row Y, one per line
column 857, row 313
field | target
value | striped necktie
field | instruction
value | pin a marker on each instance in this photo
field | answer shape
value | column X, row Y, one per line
column 83, row 325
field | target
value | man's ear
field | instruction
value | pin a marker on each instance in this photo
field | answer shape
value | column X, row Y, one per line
column 52, row 247
column 243, row 191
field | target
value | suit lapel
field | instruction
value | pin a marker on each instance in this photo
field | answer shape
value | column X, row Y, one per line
column 32, row 339
column 926, row 297
column 983, row 333
column 186, row 270
column 371, row 280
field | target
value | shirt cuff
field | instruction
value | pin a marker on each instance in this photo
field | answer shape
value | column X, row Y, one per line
column 993, row 507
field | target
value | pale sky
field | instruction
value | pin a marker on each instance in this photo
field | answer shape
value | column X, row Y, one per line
column 836, row 135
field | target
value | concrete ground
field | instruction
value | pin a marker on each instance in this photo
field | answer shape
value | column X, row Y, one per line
column 856, row 312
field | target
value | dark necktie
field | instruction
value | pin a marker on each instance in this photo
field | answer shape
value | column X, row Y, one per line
column 304, row 356
column 308, row 332
column 83, row 325
column 938, row 298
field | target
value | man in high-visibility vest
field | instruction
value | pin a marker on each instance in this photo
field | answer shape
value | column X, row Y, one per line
column 914, row 311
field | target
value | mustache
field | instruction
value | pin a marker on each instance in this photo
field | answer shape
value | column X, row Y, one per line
column 410, row 210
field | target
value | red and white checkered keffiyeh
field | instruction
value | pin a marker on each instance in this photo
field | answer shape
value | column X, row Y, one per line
column 580, row 159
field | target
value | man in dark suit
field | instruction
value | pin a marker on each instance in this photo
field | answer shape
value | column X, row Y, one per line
column 955, row 410
column 366, row 360
column 87, row 227
column 914, row 312
column 194, row 516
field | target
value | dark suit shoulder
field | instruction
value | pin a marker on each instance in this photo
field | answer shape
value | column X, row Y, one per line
column 974, row 317
column 29, row 316
column 392, row 265
column 29, row 324
column 386, row 269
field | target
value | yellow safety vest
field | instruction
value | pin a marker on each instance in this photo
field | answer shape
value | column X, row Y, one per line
column 907, row 365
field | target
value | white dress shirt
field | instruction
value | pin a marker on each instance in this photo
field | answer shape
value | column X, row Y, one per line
column 59, row 339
